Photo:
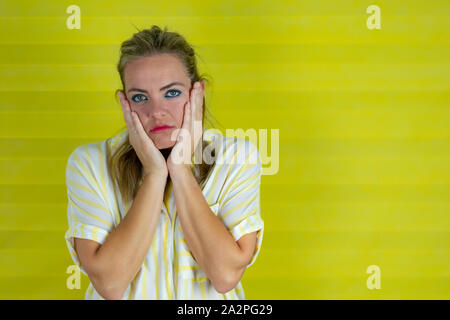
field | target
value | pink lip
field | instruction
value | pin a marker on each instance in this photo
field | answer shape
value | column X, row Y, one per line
column 160, row 128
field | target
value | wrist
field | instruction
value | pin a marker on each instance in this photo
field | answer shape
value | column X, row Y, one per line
column 179, row 171
column 155, row 176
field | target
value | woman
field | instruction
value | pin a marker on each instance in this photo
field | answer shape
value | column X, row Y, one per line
column 146, row 221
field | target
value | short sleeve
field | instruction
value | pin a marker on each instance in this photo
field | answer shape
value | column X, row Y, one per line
column 87, row 212
column 240, row 203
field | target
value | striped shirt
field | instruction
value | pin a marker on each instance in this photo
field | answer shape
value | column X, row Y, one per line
column 169, row 271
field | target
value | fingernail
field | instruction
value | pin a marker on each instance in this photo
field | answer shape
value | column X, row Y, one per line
column 197, row 84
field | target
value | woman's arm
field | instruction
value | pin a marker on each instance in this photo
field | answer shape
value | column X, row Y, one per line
column 112, row 266
column 214, row 248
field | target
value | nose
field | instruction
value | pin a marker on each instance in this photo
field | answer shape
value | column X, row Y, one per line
column 157, row 109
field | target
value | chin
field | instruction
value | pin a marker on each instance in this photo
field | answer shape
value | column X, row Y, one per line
column 164, row 144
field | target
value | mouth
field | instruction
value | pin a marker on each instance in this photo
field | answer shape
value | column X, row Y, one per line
column 160, row 128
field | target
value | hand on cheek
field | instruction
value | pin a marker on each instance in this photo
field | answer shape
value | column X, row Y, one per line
column 190, row 133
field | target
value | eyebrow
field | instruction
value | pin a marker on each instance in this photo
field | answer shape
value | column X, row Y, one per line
column 165, row 87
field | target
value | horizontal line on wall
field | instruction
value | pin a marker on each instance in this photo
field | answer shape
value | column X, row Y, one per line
column 361, row 14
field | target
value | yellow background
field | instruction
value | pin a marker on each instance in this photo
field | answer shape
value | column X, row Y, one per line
column 363, row 116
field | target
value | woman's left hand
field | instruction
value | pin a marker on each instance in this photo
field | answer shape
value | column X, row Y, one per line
column 190, row 134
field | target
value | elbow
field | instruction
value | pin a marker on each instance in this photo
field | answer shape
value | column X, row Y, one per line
column 108, row 286
column 108, row 278
column 227, row 283
column 112, row 294
column 108, row 289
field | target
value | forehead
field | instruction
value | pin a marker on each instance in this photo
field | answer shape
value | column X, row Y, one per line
column 155, row 71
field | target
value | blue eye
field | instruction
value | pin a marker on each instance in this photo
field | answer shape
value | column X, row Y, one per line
column 134, row 98
column 173, row 96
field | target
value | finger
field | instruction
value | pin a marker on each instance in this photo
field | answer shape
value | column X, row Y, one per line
column 124, row 106
column 197, row 113
column 126, row 112
column 187, row 115
column 197, row 101
column 194, row 92
column 137, row 124
column 126, row 109
column 191, row 99
column 197, row 108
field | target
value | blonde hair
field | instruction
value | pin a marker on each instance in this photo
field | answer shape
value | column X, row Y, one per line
column 124, row 165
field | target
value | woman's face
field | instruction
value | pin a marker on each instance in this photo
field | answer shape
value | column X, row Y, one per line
column 157, row 88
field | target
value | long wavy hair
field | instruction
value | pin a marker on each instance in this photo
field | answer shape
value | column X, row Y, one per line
column 123, row 164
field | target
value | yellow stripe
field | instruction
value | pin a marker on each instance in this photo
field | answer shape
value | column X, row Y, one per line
column 244, row 166
column 144, row 276
column 116, row 141
column 249, row 187
column 91, row 203
column 74, row 170
column 203, row 289
column 90, row 289
column 94, row 233
column 252, row 177
column 111, row 150
column 227, row 175
column 132, row 288
column 83, row 234
column 168, row 286
column 85, row 170
column 102, row 178
column 99, row 219
column 238, row 206
column 130, row 294
column 250, row 221
column 77, row 228
column 75, row 231
column 102, row 191
column 239, row 288
column 241, row 218
column 242, row 230
column 74, row 218
column 175, row 254
column 200, row 279
column 185, row 253
column 155, row 263
column 94, row 182
column 187, row 267
column 101, row 163
column 217, row 171
column 80, row 186
column 185, row 289
column 175, row 269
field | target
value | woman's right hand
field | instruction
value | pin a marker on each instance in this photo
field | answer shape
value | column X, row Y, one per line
column 151, row 158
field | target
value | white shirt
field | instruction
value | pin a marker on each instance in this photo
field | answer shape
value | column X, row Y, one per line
column 169, row 270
